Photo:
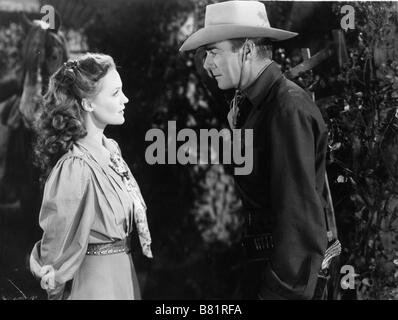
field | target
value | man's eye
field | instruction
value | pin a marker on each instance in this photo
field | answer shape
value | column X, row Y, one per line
column 116, row 93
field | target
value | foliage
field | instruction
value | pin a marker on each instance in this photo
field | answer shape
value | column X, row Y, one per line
column 364, row 147
column 362, row 118
column 10, row 48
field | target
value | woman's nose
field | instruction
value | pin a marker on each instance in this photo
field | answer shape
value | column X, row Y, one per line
column 125, row 99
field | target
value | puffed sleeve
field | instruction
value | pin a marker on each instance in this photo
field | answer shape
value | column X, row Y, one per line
column 66, row 216
column 300, row 233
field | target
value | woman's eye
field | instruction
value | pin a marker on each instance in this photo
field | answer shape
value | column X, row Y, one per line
column 115, row 94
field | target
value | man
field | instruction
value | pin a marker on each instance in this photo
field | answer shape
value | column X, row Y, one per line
column 283, row 195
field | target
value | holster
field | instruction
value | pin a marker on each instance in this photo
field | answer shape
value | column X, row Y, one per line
column 321, row 288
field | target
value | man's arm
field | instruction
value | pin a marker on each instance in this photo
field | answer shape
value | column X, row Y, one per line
column 300, row 233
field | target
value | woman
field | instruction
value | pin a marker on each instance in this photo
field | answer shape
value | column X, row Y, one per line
column 91, row 200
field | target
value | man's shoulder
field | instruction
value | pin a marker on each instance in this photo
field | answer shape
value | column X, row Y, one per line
column 294, row 99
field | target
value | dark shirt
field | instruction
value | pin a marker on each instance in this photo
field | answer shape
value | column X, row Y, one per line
column 284, row 190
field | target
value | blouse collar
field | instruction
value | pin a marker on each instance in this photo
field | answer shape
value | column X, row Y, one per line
column 103, row 158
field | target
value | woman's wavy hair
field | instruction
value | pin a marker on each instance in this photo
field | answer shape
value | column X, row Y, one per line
column 60, row 122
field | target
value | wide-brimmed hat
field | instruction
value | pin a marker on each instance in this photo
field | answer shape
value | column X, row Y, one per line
column 235, row 19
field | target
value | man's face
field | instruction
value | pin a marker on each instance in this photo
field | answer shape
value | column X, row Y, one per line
column 224, row 64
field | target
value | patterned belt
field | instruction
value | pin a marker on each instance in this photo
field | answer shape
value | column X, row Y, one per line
column 119, row 246
column 258, row 246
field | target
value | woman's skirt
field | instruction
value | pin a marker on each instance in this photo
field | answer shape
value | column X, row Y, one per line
column 106, row 277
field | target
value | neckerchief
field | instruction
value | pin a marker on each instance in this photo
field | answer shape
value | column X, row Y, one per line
column 139, row 212
column 234, row 111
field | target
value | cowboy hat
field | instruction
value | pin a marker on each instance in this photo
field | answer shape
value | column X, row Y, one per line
column 235, row 19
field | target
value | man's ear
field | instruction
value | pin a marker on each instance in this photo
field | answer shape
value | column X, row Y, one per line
column 248, row 49
column 86, row 105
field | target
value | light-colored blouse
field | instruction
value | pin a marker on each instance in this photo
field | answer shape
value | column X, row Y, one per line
column 86, row 201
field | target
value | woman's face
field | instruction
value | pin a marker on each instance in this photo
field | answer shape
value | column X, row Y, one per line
column 108, row 104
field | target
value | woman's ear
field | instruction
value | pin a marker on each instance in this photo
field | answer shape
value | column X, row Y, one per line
column 86, row 105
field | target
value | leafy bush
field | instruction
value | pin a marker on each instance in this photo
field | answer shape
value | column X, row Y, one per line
column 362, row 119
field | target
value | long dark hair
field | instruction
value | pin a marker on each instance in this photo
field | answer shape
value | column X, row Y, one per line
column 61, row 123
